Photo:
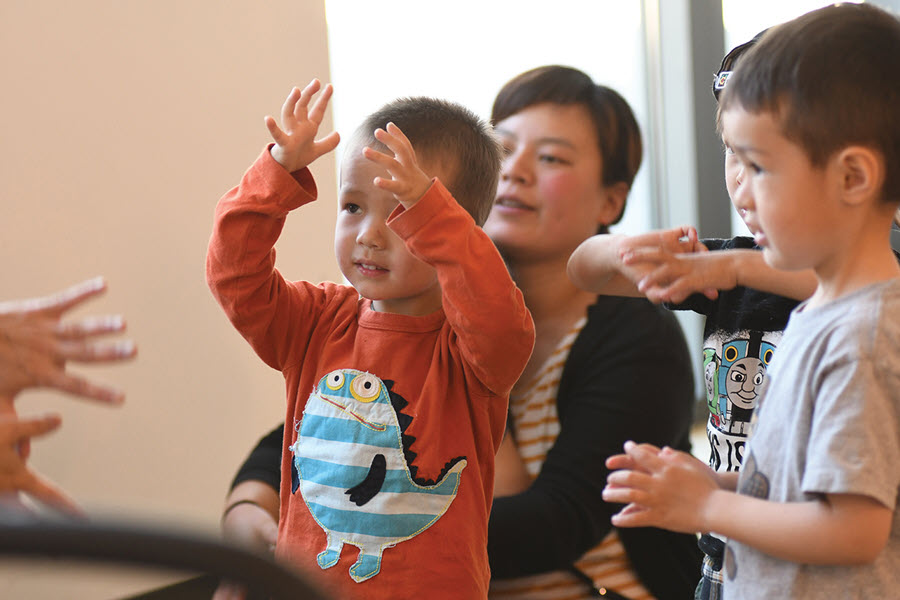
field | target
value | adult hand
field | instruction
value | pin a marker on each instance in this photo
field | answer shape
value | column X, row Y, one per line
column 15, row 433
column 251, row 521
column 36, row 344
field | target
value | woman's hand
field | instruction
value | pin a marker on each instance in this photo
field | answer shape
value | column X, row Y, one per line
column 36, row 344
column 15, row 476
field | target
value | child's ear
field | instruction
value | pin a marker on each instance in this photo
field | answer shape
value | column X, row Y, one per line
column 862, row 173
column 612, row 202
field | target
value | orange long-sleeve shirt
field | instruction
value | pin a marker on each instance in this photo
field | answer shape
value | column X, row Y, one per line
column 454, row 368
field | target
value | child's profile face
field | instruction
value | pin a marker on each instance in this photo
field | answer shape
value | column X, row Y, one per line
column 370, row 255
column 784, row 200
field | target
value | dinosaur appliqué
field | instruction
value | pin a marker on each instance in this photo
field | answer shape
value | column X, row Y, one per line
column 353, row 467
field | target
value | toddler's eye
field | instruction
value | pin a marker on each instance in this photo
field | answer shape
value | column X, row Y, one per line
column 351, row 208
column 551, row 159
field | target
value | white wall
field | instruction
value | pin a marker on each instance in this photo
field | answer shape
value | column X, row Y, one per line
column 122, row 124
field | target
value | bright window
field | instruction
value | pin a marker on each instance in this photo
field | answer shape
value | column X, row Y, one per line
column 467, row 49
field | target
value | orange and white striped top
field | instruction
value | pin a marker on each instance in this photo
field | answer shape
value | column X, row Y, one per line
column 536, row 427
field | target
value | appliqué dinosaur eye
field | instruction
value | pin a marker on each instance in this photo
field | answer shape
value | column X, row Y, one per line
column 365, row 387
column 335, row 380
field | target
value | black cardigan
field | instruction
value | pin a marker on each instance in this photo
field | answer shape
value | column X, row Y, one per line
column 628, row 377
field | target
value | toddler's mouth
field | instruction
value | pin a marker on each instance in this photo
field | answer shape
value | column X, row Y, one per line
column 370, row 269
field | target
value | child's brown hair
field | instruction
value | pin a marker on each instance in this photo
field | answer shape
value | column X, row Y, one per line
column 832, row 79
column 446, row 132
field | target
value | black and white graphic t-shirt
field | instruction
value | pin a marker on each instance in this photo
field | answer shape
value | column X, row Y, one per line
column 743, row 330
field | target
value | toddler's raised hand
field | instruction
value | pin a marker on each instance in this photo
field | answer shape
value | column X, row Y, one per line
column 296, row 146
column 408, row 182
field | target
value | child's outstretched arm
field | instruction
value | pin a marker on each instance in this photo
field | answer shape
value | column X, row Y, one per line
column 673, row 277
column 494, row 330
column 240, row 260
column 598, row 264
column 673, row 490
column 296, row 146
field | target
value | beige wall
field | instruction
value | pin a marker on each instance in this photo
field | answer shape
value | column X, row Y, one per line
column 123, row 122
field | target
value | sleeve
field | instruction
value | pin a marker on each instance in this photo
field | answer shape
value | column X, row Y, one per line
column 264, row 461
column 494, row 330
column 854, row 440
column 628, row 377
column 267, row 310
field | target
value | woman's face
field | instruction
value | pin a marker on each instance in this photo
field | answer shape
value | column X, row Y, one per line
column 550, row 197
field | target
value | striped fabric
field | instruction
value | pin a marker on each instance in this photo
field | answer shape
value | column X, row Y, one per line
column 536, row 426
column 348, row 432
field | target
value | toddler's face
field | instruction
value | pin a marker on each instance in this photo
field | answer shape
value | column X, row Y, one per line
column 784, row 200
column 370, row 255
column 734, row 174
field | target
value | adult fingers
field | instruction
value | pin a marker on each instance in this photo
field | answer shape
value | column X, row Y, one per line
column 229, row 591
column 90, row 326
column 18, row 430
column 268, row 533
column 89, row 352
column 79, row 386
column 61, row 301
column 51, row 495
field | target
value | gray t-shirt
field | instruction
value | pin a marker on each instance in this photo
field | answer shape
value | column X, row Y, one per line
column 828, row 421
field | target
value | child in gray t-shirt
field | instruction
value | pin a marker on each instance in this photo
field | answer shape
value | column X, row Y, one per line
column 828, row 424
column 810, row 113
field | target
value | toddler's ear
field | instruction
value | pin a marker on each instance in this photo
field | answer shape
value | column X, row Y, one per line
column 862, row 172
